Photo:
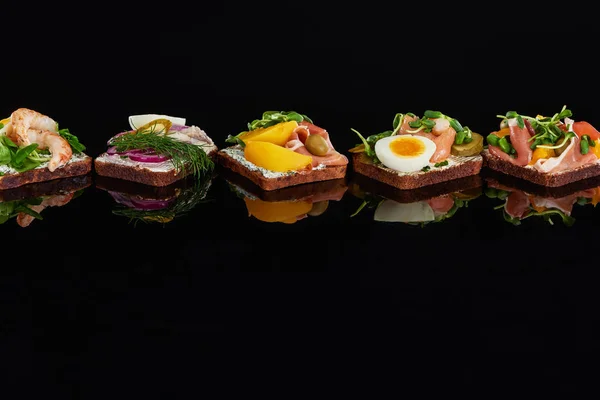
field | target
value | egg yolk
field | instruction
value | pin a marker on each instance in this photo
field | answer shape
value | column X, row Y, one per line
column 407, row 147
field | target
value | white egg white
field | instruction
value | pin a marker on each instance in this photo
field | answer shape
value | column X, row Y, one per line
column 392, row 211
column 135, row 121
column 404, row 163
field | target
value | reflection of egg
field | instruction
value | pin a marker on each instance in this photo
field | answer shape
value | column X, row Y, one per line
column 405, row 153
column 392, row 211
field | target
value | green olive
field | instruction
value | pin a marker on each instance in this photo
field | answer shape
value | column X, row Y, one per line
column 318, row 208
column 316, row 145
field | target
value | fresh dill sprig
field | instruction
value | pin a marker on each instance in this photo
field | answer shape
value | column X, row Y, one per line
column 185, row 156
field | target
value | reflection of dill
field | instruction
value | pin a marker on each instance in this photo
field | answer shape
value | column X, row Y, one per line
column 188, row 198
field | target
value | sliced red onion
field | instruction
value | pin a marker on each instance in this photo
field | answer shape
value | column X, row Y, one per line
column 113, row 150
column 140, row 204
column 149, row 158
column 150, row 204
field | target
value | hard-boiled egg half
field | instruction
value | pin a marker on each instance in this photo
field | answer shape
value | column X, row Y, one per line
column 392, row 211
column 136, row 121
column 405, row 153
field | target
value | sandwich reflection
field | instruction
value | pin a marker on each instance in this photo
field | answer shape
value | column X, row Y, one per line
column 287, row 205
column 422, row 206
column 520, row 199
column 27, row 203
column 152, row 204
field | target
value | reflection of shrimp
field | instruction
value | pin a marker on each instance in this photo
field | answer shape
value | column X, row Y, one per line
column 24, row 119
column 53, row 201
column 59, row 148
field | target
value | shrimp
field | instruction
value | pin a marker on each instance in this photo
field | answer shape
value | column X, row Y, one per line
column 59, row 148
column 24, row 119
column 24, row 219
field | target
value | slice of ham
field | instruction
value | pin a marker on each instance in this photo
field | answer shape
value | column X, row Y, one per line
column 517, row 204
column 298, row 138
column 564, row 204
column 519, row 138
column 333, row 195
column 443, row 142
column 569, row 159
column 441, row 204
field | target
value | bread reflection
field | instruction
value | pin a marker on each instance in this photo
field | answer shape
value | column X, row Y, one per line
column 520, row 199
column 287, row 205
column 154, row 204
column 26, row 203
column 421, row 206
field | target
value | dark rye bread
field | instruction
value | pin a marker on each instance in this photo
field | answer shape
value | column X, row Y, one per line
column 296, row 192
column 47, row 188
column 540, row 178
column 141, row 190
column 470, row 185
column 138, row 174
column 299, row 178
column 493, row 178
column 13, row 180
column 363, row 165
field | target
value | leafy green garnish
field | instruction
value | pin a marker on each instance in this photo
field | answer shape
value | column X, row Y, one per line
column 20, row 159
column 185, row 156
column 547, row 130
column 11, row 209
column 73, row 140
column 441, row 164
column 426, row 123
column 269, row 118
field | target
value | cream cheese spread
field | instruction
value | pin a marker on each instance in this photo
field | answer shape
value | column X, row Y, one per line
column 6, row 170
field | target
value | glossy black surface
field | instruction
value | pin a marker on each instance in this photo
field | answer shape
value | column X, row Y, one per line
column 86, row 295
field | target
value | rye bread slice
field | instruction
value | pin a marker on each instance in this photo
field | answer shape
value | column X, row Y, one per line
column 472, row 183
column 267, row 183
column 47, row 188
column 465, row 166
column 540, row 178
column 136, row 173
column 492, row 177
column 74, row 168
column 296, row 192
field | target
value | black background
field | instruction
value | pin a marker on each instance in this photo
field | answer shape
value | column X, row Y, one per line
column 87, row 299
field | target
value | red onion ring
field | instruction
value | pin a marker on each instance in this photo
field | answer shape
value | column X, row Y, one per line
column 149, row 158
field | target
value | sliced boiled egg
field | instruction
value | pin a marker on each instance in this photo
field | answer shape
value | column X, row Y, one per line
column 392, row 211
column 137, row 121
column 405, row 153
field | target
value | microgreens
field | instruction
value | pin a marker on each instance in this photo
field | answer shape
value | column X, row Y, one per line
column 269, row 118
column 427, row 122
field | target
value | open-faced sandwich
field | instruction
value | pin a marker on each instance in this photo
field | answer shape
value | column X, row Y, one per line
column 549, row 151
column 157, row 150
column 287, row 205
column 419, row 151
column 155, row 204
column 431, row 203
column 26, row 203
column 521, row 199
column 283, row 148
column 34, row 149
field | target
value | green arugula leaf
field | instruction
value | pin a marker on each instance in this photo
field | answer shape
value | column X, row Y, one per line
column 73, row 140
